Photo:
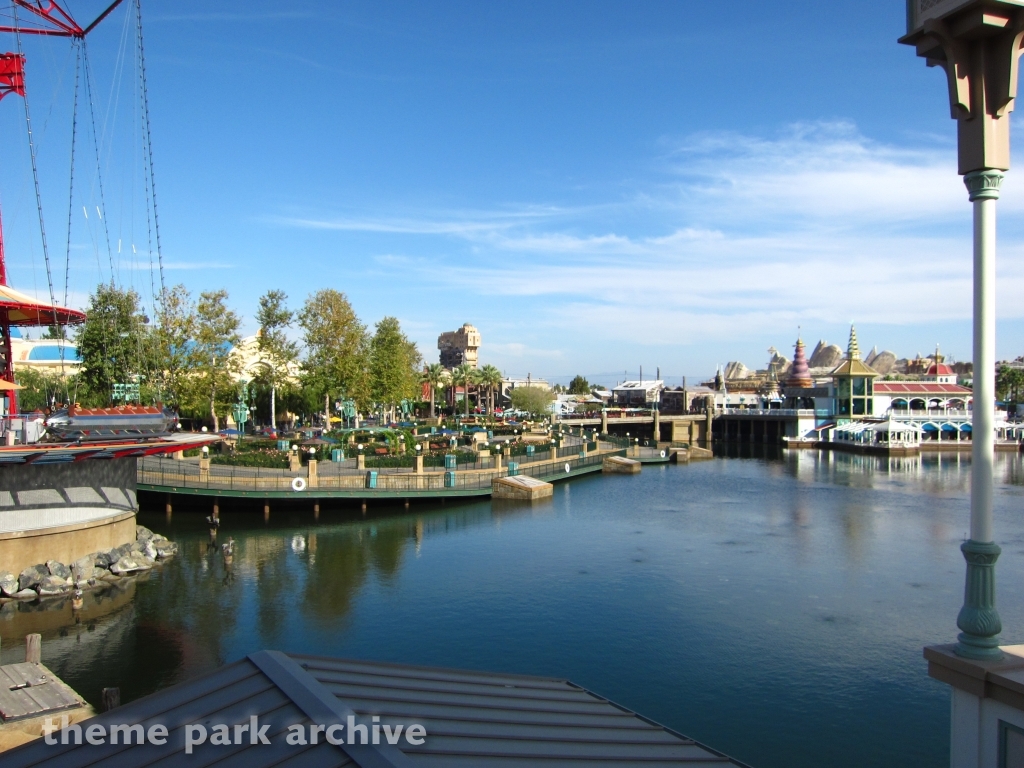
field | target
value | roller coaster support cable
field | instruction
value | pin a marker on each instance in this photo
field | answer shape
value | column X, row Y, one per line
column 96, row 150
column 148, row 141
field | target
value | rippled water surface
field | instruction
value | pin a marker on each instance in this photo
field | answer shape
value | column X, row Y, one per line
column 773, row 608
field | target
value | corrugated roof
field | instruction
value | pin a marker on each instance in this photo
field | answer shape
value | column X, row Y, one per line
column 471, row 719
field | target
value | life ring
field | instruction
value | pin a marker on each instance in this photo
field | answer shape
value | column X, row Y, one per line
column 298, row 484
column 567, row 467
column 663, row 454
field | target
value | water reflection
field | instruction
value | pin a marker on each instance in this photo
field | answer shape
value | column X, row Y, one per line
column 728, row 599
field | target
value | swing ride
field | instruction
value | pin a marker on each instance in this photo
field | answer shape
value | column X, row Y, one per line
column 67, row 483
column 127, row 423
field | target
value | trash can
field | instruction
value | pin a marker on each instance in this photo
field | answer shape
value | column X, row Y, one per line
column 449, row 461
column 282, row 445
column 529, row 450
column 371, row 479
column 449, row 479
column 513, row 468
column 337, row 455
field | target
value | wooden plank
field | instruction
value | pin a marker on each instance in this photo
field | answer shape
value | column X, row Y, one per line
column 29, row 690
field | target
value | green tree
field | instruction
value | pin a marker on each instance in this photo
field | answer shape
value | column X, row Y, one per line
column 579, row 386
column 39, row 390
column 174, row 344
column 277, row 352
column 113, row 343
column 212, row 382
column 1009, row 383
column 434, row 375
column 533, row 400
column 393, row 360
column 336, row 350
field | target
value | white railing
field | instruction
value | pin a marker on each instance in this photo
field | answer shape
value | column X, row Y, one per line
column 775, row 411
column 933, row 413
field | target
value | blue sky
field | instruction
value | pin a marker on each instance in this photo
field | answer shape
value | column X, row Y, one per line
column 595, row 185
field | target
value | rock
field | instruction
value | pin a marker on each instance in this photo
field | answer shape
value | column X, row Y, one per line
column 26, row 594
column 166, row 549
column 52, row 585
column 102, row 559
column 58, row 569
column 8, row 583
column 31, row 576
column 826, row 356
column 884, row 362
column 146, row 561
column 128, row 565
column 157, row 538
column 118, row 552
column 143, row 533
column 736, row 370
column 150, row 550
column 82, row 568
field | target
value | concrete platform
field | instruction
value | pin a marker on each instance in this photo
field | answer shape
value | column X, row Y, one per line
column 521, row 488
column 621, row 465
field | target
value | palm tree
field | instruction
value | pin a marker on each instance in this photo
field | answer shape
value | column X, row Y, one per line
column 434, row 376
column 490, row 377
column 462, row 374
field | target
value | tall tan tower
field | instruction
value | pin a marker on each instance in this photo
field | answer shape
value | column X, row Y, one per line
column 459, row 347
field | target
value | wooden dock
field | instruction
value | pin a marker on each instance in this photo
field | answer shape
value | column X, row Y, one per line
column 30, row 694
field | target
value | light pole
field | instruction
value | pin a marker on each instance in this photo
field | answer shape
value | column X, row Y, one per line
column 978, row 44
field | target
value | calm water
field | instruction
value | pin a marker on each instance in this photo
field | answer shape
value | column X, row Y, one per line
column 773, row 608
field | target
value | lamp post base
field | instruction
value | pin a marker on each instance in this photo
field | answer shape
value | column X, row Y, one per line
column 978, row 619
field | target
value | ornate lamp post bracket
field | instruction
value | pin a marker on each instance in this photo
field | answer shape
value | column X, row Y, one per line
column 978, row 43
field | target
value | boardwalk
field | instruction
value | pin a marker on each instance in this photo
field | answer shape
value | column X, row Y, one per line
column 343, row 480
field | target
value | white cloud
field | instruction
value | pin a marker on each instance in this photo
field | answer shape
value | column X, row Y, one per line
column 740, row 234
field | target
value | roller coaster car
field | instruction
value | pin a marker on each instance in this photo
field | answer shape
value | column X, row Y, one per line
column 126, row 421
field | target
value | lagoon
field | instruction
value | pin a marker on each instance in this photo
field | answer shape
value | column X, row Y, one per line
column 772, row 605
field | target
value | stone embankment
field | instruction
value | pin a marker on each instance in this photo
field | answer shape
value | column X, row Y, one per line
column 52, row 578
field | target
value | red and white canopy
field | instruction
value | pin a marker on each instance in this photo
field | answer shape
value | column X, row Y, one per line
column 17, row 308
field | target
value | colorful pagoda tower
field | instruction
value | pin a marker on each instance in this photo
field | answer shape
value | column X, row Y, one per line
column 799, row 373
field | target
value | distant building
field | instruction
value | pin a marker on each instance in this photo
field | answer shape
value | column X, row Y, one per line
column 44, row 355
column 459, row 347
column 507, row 385
column 637, row 394
column 251, row 362
column 937, row 389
